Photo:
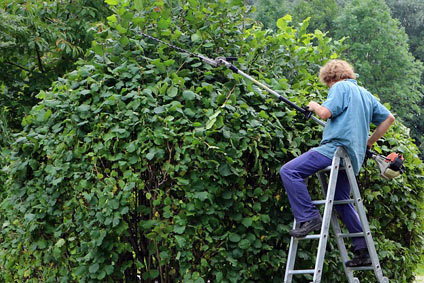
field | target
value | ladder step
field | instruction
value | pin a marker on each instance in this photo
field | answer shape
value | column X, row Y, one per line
column 309, row 237
column 361, row 268
column 302, row 271
column 345, row 201
column 328, row 168
column 351, row 235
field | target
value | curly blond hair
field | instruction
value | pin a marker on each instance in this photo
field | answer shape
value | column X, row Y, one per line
column 336, row 70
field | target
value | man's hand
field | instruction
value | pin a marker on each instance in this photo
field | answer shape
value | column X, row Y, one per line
column 321, row 111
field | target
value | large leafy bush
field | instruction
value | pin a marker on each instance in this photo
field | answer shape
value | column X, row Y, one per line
column 146, row 164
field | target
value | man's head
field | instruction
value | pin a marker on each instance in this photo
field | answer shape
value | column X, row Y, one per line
column 334, row 71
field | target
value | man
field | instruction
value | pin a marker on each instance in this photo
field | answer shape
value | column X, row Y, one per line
column 349, row 109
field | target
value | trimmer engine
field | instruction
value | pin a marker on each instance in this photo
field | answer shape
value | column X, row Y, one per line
column 390, row 166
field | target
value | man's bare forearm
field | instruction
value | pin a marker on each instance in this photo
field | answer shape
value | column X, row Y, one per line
column 381, row 130
column 320, row 110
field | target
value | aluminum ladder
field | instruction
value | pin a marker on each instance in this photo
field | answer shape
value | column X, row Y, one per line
column 340, row 157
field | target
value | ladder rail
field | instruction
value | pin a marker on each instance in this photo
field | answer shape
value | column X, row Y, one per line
column 337, row 231
column 364, row 221
column 288, row 277
column 326, row 218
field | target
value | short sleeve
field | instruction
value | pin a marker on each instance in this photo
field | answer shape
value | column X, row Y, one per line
column 337, row 100
column 379, row 113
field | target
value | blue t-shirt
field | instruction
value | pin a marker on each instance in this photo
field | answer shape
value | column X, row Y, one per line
column 352, row 109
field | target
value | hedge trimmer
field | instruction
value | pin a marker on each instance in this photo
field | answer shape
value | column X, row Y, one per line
column 390, row 166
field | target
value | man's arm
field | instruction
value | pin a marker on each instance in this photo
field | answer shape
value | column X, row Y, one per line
column 381, row 130
column 321, row 111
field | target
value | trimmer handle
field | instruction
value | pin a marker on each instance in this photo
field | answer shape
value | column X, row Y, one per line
column 230, row 59
column 307, row 112
column 369, row 153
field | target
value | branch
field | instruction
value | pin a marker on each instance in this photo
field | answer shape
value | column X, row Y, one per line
column 40, row 64
column 19, row 66
column 23, row 68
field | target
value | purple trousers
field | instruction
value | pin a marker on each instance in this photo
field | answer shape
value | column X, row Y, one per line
column 293, row 175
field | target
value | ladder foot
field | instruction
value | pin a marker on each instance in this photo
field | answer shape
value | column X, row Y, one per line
column 355, row 280
column 385, row 280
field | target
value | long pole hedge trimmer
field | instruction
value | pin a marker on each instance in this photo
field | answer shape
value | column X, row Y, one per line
column 390, row 167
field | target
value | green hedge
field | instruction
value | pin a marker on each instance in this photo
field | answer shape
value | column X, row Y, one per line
column 146, row 163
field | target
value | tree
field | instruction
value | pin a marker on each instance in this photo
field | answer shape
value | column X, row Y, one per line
column 410, row 13
column 321, row 12
column 40, row 41
column 269, row 11
column 378, row 48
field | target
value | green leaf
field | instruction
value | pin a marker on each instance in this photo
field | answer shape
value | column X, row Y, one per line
column 42, row 244
column 172, row 91
column 124, row 41
column 101, row 275
column 212, row 119
column 181, row 241
column 225, row 170
column 112, row 2
column 247, row 222
column 244, row 244
column 188, row 95
column 234, row 237
column 163, row 23
column 116, row 220
column 201, row 195
column 151, row 154
column 179, row 229
column 93, row 268
column 83, row 108
column 131, row 147
column 60, row 243
column 151, row 274
column 138, row 4
column 195, row 37
column 112, row 19
column 282, row 22
column 159, row 109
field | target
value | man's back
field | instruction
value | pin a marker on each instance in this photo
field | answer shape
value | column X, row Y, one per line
column 352, row 109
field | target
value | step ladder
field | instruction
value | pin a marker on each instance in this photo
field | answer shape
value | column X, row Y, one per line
column 340, row 157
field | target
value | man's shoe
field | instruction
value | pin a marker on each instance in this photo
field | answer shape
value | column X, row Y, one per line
column 362, row 258
column 306, row 227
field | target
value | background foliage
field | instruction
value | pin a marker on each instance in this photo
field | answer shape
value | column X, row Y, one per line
column 39, row 41
column 146, row 164
column 383, row 39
